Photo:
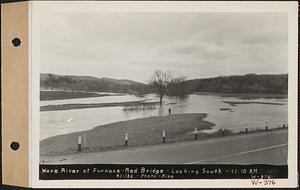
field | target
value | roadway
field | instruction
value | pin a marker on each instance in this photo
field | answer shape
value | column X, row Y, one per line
column 267, row 147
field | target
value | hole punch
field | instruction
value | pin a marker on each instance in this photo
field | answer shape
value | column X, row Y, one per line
column 14, row 145
column 16, row 42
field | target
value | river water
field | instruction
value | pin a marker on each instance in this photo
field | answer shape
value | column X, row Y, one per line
column 223, row 115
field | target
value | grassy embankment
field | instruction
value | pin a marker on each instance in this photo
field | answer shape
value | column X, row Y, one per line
column 145, row 131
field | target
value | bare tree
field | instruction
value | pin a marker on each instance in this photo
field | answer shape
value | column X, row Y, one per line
column 160, row 81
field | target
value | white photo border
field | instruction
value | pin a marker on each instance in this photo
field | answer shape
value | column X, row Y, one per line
column 38, row 7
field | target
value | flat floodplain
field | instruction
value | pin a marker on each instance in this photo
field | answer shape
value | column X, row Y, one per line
column 145, row 126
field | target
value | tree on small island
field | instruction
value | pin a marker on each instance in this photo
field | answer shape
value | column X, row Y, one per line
column 160, row 81
column 164, row 84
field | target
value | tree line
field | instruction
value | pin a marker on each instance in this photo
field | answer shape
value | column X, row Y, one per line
column 53, row 81
column 163, row 83
column 91, row 84
column 249, row 83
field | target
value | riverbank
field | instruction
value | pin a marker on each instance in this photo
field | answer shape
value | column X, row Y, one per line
column 246, row 96
column 234, row 103
column 63, row 95
column 144, row 131
column 95, row 105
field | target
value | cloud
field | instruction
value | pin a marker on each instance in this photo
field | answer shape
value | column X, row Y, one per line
column 132, row 45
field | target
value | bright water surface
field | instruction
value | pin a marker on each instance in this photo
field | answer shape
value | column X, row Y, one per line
column 252, row 116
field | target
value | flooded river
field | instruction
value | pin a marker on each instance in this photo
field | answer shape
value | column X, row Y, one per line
column 223, row 115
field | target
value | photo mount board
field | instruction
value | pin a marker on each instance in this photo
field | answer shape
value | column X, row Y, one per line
column 15, row 96
column 15, row 93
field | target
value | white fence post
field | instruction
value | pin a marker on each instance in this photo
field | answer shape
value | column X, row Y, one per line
column 79, row 142
column 164, row 136
column 84, row 141
column 126, row 139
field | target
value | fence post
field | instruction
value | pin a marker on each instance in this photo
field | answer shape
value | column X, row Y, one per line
column 84, row 140
column 196, row 134
column 164, row 136
column 126, row 139
column 79, row 143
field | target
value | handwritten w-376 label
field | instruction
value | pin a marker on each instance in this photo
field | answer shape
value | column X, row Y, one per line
column 263, row 182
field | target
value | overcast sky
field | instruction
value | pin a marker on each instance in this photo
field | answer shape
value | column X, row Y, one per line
column 133, row 45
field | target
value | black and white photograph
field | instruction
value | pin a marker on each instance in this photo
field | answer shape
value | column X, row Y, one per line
column 164, row 89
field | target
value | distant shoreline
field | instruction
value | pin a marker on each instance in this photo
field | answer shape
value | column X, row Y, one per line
column 247, row 96
column 247, row 83
column 234, row 103
column 95, row 105
column 65, row 95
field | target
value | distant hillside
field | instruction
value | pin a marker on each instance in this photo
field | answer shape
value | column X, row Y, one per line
column 250, row 83
column 88, row 83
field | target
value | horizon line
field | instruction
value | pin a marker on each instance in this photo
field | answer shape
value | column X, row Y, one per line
column 189, row 79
